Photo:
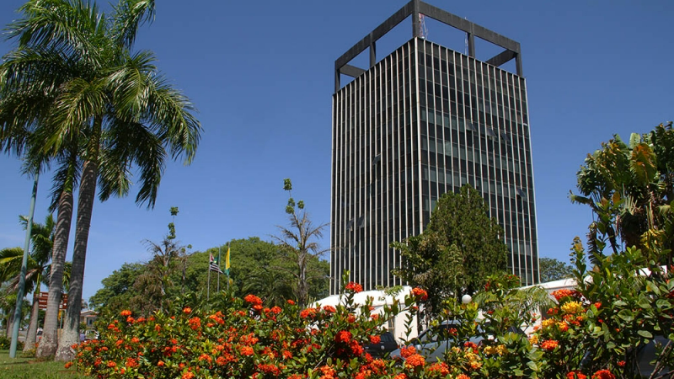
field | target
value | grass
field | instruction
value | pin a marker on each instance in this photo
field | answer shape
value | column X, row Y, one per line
column 30, row 368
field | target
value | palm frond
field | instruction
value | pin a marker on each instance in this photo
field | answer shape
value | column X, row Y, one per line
column 128, row 16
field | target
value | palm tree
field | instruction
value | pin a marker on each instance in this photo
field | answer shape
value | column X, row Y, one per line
column 127, row 111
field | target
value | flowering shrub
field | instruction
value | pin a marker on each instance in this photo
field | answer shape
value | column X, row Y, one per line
column 591, row 332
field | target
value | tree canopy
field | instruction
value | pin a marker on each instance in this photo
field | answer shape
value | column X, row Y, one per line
column 457, row 251
column 552, row 269
column 257, row 267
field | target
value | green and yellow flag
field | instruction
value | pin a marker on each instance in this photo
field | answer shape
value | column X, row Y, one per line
column 227, row 261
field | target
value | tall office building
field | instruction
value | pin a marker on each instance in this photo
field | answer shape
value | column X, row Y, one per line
column 421, row 122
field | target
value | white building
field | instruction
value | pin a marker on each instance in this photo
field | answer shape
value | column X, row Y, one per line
column 396, row 325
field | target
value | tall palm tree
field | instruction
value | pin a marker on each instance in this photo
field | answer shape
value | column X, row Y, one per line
column 128, row 112
column 31, row 79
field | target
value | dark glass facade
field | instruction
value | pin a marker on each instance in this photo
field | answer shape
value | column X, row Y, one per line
column 421, row 122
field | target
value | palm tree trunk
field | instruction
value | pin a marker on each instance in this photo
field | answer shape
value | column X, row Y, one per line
column 10, row 324
column 32, row 327
column 85, row 207
column 49, row 341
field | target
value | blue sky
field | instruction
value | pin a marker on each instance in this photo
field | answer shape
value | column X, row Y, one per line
column 261, row 75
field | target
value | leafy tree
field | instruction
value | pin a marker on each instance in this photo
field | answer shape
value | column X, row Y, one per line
column 117, row 290
column 459, row 249
column 297, row 245
column 115, row 104
column 258, row 267
column 629, row 188
column 552, row 269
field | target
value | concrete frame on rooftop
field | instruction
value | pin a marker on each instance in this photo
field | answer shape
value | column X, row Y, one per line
column 417, row 8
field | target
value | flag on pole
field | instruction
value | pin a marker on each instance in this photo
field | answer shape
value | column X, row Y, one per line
column 227, row 261
column 214, row 265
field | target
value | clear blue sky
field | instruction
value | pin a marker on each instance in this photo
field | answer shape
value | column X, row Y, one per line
column 261, row 75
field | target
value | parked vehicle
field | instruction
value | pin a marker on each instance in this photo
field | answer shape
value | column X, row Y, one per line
column 385, row 346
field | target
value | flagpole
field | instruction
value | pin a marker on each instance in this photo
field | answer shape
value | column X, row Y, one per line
column 219, row 248
column 227, row 264
column 208, row 287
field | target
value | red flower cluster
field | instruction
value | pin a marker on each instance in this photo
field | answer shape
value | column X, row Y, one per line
column 343, row 337
column 603, row 374
column 355, row 287
column 560, row 294
column 549, row 345
column 420, row 294
column 253, row 300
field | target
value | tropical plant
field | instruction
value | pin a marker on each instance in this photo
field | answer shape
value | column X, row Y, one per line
column 115, row 98
column 630, row 187
column 42, row 236
column 297, row 245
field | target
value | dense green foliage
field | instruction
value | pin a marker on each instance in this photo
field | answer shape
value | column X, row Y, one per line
column 457, row 251
column 552, row 269
column 256, row 267
column 629, row 187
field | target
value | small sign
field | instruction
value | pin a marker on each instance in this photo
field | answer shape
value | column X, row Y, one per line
column 43, row 298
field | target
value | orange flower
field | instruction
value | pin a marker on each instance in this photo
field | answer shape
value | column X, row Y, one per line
column 188, row 375
column 575, row 374
column 403, row 376
column 439, row 368
column 462, row 376
column 290, row 302
column 254, row 300
column 68, row 364
column 375, row 339
column 621, row 364
column 157, row 327
column 329, row 309
column 309, row 312
column 549, row 345
column 187, row 310
column 603, row 374
column 343, row 337
column 160, row 363
column 195, row 323
column 355, row 287
column 407, row 351
column 125, row 313
column 415, row 360
column 597, row 305
column 420, row 294
column 560, row 294
column 246, row 350
column 111, row 364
